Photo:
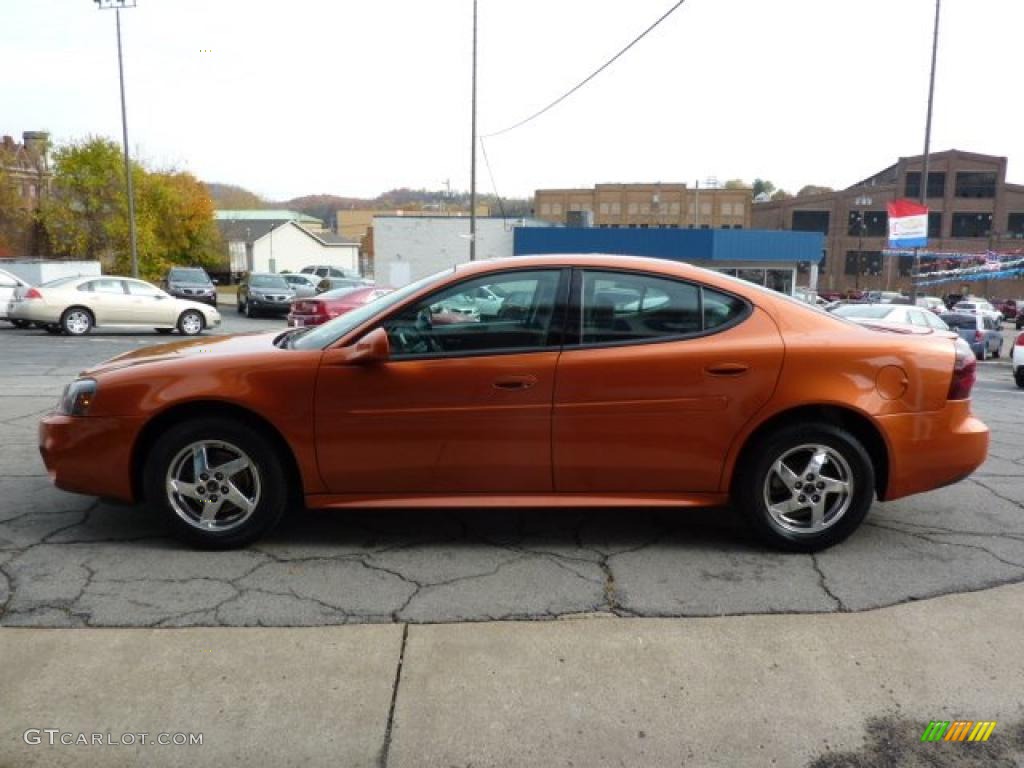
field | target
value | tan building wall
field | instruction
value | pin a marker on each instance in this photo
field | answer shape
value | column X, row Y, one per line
column 648, row 205
column 844, row 270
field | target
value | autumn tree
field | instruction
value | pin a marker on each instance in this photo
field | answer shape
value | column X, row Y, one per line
column 14, row 217
column 86, row 214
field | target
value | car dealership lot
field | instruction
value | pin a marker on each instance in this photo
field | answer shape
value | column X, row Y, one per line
column 68, row 560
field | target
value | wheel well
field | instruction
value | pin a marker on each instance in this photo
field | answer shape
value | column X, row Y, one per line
column 855, row 423
column 204, row 410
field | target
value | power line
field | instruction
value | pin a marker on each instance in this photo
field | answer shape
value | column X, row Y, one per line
column 594, row 74
column 494, row 184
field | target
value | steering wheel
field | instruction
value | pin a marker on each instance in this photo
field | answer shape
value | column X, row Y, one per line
column 416, row 338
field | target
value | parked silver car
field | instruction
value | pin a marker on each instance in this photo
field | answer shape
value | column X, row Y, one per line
column 982, row 332
column 304, row 285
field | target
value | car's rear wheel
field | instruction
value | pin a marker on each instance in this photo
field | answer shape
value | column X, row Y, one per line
column 1018, row 377
column 218, row 484
column 805, row 487
column 76, row 321
column 190, row 323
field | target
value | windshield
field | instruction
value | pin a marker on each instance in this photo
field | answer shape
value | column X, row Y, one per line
column 189, row 276
column 322, row 336
column 269, row 281
column 863, row 310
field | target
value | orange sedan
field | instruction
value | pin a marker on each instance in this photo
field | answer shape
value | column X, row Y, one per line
column 589, row 381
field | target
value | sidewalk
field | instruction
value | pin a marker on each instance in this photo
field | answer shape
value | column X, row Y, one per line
column 741, row 691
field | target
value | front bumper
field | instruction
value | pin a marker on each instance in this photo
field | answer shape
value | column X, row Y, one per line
column 88, row 454
column 270, row 306
column 934, row 449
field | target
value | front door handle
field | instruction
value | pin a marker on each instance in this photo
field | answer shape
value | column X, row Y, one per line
column 515, row 382
column 728, row 369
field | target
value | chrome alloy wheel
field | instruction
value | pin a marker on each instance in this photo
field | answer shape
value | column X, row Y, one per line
column 808, row 489
column 213, row 485
column 77, row 322
column 191, row 323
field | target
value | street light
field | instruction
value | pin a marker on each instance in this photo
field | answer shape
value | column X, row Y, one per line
column 117, row 5
column 861, row 201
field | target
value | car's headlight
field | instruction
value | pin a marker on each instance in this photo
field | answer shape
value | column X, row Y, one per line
column 77, row 398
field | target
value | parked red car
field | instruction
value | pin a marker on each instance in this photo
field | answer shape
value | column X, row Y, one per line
column 329, row 305
column 1009, row 307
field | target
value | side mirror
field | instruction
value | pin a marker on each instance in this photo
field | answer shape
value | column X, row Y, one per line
column 374, row 347
column 215, row 281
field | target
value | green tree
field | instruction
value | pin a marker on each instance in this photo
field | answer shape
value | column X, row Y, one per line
column 813, row 189
column 763, row 186
column 735, row 184
column 86, row 215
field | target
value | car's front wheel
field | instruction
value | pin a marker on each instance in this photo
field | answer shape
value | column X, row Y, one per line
column 805, row 487
column 217, row 483
column 190, row 323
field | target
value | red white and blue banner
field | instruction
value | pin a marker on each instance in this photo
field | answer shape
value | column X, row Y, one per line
column 908, row 224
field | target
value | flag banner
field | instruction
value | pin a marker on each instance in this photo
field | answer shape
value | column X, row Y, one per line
column 908, row 224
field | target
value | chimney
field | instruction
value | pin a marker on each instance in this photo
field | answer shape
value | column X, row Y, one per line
column 37, row 144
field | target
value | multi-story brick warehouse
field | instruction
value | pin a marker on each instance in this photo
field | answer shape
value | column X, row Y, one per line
column 972, row 209
column 645, row 206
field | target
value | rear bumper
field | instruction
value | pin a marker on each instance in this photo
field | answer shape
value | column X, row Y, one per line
column 931, row 450
column 299, row 320
column 88, row 455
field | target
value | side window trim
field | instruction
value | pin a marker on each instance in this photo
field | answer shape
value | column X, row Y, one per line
column 574, row 311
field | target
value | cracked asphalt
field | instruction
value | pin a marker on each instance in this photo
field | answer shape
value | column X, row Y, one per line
column 70, row 561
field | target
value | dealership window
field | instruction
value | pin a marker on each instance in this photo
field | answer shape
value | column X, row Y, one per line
column 811, row 221
column 755, row 276
column 936, row 185
column 1015, row 225
column 875, row 224
column 972, row 224
column 863, row 263
column 976, row 184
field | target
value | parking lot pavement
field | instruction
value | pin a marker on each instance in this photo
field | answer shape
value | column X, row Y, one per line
column 68, row 560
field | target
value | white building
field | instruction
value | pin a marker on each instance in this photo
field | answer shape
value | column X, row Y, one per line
column 289, row 247
column 406, row 248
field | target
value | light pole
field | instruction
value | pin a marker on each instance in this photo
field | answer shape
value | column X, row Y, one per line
column 117, row 5
column 862, row 202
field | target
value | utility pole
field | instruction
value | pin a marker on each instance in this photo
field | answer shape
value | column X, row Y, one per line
column 117, row 5
column 927, row 148
column 472, row 158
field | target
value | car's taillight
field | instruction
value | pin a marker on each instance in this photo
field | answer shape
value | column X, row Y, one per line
column 979, row 336
column 1020, row 341
column 965, row 369
column 33, row 294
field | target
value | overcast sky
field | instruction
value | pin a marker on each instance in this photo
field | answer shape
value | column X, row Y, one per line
column 355, row 98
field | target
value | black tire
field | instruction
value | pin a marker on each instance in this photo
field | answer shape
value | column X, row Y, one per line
column 757, row 478
column 20, row 323
column 998, row 352
column 249, row 310
column 191, row 322
column 265, row 462
column 240, row 306
column 164, row 331
column 77, row 321
column 1018, row 377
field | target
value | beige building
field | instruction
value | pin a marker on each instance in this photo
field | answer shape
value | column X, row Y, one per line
column 646, row 206
column 972, row 209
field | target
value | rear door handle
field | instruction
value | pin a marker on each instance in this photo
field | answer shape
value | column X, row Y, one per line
column 515, row 382
column 728, row 369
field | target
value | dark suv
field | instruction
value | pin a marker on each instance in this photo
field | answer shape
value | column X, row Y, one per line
column 264, row 293
column 190, row 283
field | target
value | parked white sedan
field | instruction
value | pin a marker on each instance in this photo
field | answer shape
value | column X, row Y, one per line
column 10, row 286
column 75, row 305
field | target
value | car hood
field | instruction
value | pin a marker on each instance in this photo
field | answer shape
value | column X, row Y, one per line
column 218, row 346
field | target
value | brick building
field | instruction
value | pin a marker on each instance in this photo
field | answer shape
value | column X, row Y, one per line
column 972, row 209
column 645, row 206
column 26, row 168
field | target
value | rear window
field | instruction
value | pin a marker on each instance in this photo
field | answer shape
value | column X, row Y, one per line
column 967, row 322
